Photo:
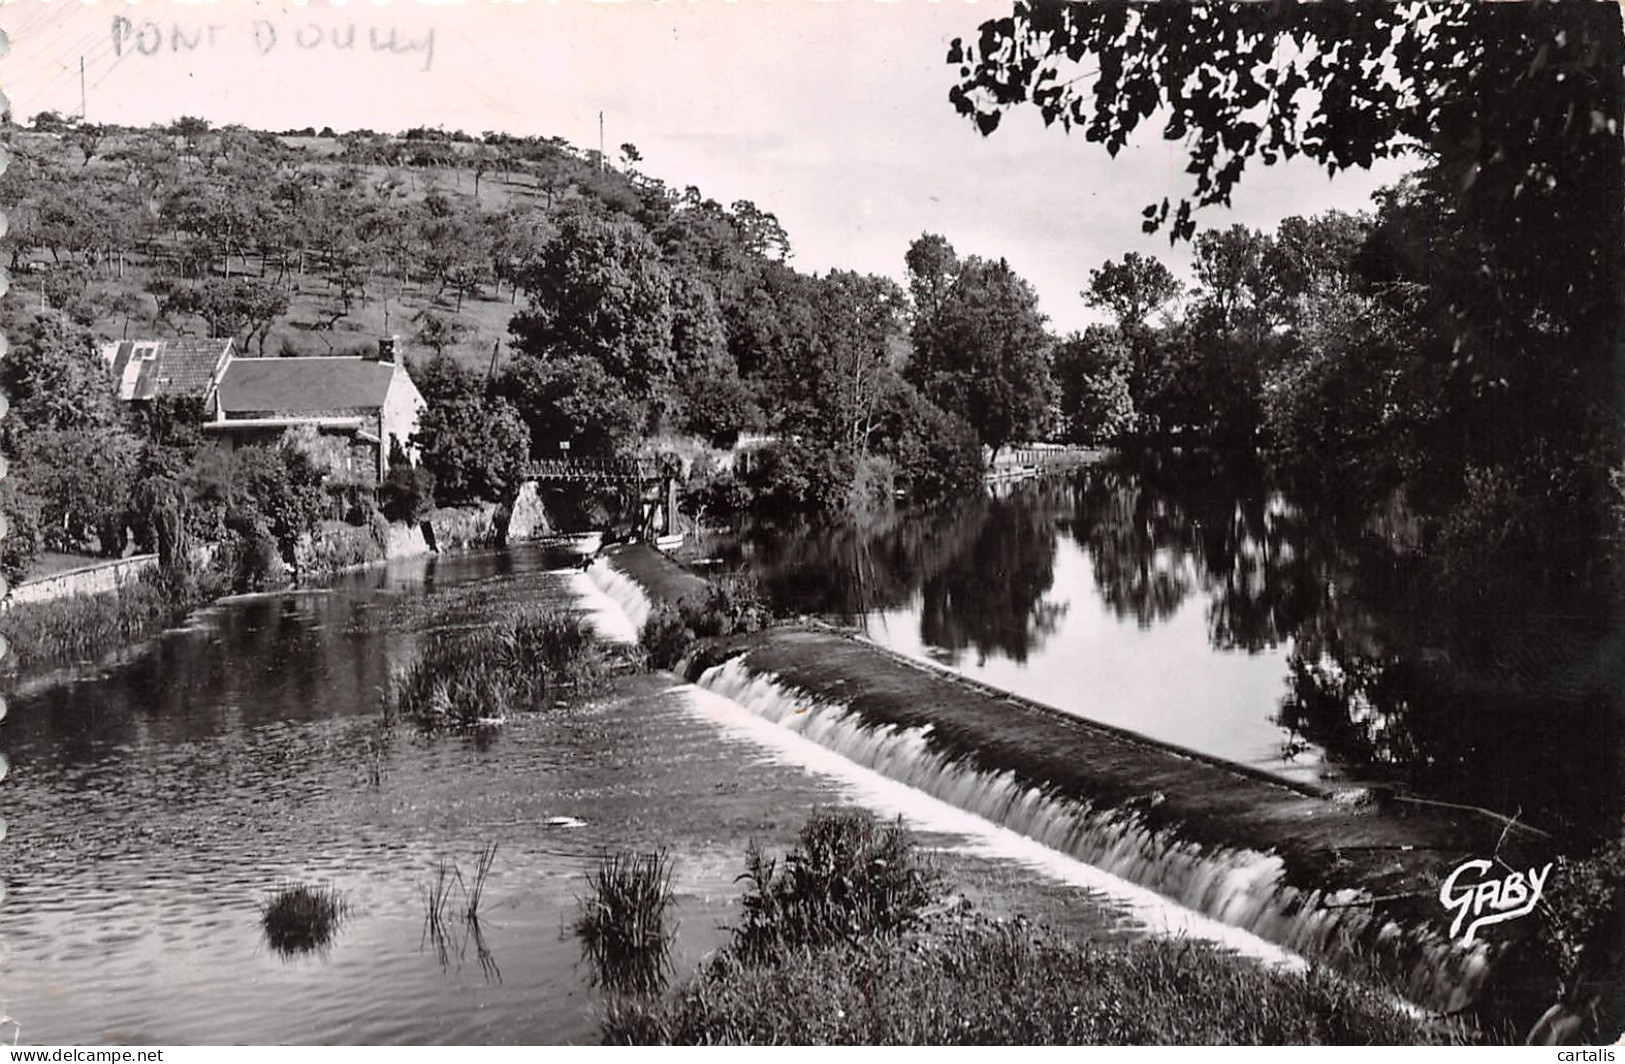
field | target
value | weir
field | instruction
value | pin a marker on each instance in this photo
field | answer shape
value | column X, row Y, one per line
column 1331, row 876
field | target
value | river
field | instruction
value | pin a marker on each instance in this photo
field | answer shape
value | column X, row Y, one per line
column 1205, row 606
column 155, row 801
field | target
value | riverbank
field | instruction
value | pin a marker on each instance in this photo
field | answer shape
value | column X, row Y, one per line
column 58, row 630
column 854, row 938
column 97, row 610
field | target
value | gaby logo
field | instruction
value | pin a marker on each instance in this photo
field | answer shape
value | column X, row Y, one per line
column 1467, row 892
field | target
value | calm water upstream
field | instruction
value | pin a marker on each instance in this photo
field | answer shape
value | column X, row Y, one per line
column 153, row 804
column 1206, row 607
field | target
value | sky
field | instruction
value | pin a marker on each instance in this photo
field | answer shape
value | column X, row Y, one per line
column 833, row 114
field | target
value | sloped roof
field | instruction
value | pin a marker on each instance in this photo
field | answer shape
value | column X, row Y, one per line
column 299, row 385
column 150, row 369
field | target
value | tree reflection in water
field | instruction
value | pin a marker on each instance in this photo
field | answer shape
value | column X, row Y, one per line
column 1520, row 713
column 1517, row 713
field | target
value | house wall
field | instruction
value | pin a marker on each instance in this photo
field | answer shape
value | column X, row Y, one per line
column 403, row 405
column 343, row 457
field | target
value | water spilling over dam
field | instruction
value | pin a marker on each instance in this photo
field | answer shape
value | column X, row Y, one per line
column 1331, row 875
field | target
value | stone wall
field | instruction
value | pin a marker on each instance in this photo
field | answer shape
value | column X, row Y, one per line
column 87, row 580
column 460, row 527
column 526, row 517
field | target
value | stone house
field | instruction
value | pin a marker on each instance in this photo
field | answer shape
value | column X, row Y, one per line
column 357, row 407
column 185, row 368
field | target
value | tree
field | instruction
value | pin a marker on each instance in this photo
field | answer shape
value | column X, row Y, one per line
column 1513, row 101
column 473, row 443
column 82, row 477
column 984, row 353
column 278, row 488
column 437, row 332
column 1230, row 264
column 761, row 232
column 55, row 378
column 599, row 290
column 833, row 389
column 474, row 447
column 1092, row 371
column 233, row 307
column 24, row 537
column 936, row 453
column 1310, row 256
column 572, row 400
column 932, row 266
column 1506, row 253
column 1133, row 290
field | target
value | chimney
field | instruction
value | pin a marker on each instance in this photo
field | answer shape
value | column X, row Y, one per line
column 386, row 348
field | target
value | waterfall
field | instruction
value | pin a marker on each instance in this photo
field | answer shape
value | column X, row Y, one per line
column 615, row 604
column 1243, row 888
column 887, row 797
column 627, row 593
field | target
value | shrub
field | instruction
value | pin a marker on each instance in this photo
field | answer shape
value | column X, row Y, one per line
column 665, row 637
column 407, row 494
column 801, row 477
column 732, row 604
column 849, row 878
column 715, row 493
column 300, row 918
column 623, row 925
column 336, row 547
column 249, row 555
column 24, row 538
column 936, row 453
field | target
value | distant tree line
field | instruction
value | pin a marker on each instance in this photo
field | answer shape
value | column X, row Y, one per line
column 1460, row 344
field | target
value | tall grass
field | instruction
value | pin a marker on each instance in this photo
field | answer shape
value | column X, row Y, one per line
column 436, row 895
column 477, row 679
column 849, row 940
column 624, row 924
column 986, row 982
column 79, row 626
column 299, row 918
column 475, row 894
column 441, row 926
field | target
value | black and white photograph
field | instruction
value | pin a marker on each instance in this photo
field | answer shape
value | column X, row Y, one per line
column 812, row 522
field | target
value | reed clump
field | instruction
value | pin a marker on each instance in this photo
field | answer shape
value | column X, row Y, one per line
column 441, row 913
column 471, row 680
column 299, row 918
column 848, row 877
column 625, row 924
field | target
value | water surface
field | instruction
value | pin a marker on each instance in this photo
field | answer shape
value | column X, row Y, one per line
column 1206, row 606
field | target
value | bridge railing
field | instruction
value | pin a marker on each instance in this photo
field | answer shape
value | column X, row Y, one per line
column 593, row 469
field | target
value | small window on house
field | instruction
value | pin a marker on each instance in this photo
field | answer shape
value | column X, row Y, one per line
column 144, row 352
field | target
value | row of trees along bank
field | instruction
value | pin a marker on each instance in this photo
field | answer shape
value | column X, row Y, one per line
column 628, row 309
